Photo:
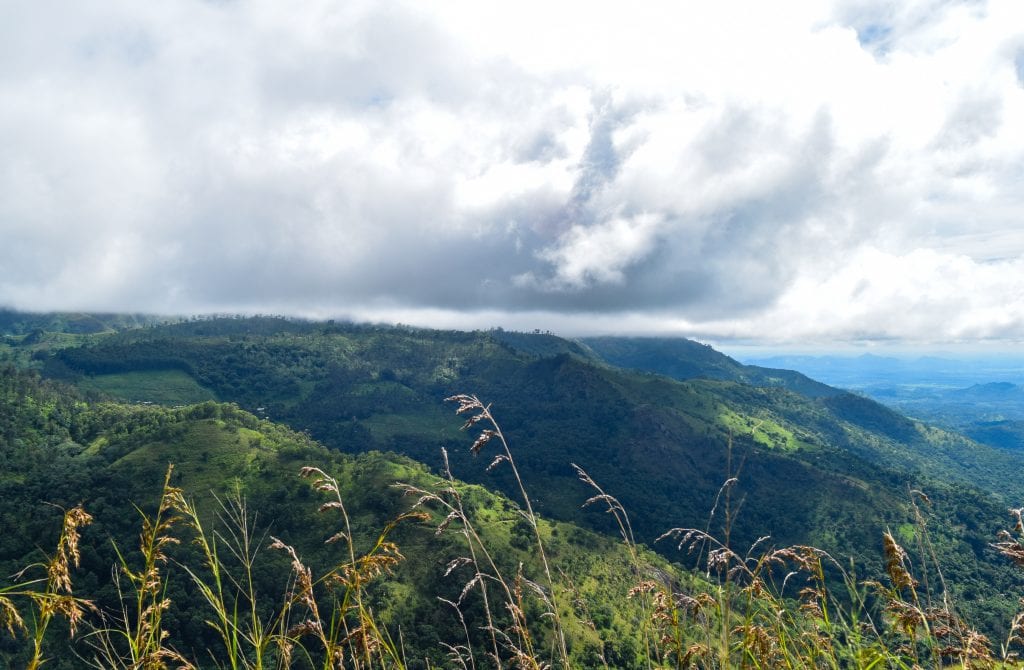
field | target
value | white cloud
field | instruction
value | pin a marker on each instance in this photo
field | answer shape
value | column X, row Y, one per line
column 598, row 254
column 923, row 295
column 729, row 170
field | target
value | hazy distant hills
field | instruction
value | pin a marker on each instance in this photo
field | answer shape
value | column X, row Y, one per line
column 14, row 323
column 872, row 371
column 981, row 397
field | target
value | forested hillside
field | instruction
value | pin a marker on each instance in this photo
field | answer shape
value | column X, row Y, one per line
column 829, row 470
column 684, row 359
column 741, row 453
column 60, row 451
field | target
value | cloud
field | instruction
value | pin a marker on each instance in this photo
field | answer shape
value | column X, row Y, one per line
column 729, row 171
column 924, row 296
column 598, row 254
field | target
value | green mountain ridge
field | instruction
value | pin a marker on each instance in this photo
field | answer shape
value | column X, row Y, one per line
column 684, row 359
column 819, row 467
column 62, row 450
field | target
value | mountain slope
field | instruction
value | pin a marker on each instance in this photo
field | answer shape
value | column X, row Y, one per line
column 361, row 387
column 684, row 359
column 832, row 470
column 63, row 450
column 826, row 470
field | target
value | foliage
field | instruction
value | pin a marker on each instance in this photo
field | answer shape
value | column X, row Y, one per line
column 112, row 457
column 818, row 468
column 351, row 602
column 683, row 360
column 814, row 468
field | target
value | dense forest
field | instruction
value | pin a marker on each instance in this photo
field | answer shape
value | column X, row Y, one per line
column 760, row 465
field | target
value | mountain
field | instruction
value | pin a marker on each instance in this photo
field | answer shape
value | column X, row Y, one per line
column 822, row 467
column 980, row 397
column 684, row 359
column 1002, row 434
column 991, row 391
column 15, row 323
column 869, row 371
column 60, row 449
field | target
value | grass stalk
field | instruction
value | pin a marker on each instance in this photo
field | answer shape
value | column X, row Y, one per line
column 478, row 412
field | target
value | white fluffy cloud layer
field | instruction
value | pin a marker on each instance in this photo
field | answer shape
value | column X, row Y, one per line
column 797, row 171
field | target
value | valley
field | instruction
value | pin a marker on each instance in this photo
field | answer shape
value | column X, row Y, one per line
column 979, row 396
column 680, row 434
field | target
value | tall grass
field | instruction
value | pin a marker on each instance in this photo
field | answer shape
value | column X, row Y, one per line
column 760, row 607
column 47, row 597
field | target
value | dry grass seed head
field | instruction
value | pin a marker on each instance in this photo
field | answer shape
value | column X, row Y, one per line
column 498, row 460
column 663, row 606
column 896, row 559
column 720, row 559
column 1018, row 513
column 303, row 575
column 756, row 589
column 467, row 403
column 810, row 601
column 477, row 578
column 372, row 566
column 470, row 403
column 906, row 617
column 805, row 557
column 443, row 526
column 340, row 535
column 322, row 482
column 363, row 638
column 646, row 586
column 481, row 440
column 539, row 591
column 285, row 647
column 307, row 627
column 691, row 538
column 457, row 563
column 157, row 538
column 59, row 568
column 688, row 604
column 959, row 641
column 72, row 609
column 758, row 642
column 1016, row 635
column 694, row 654
column 9, row 617
column 1010, row 546
column 458, row 654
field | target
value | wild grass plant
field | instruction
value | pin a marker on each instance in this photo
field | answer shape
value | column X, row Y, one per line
column 759, row 607
column 47, row 597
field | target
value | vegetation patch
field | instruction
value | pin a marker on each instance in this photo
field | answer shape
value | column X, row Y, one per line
column 161, row 387
column 430, row 425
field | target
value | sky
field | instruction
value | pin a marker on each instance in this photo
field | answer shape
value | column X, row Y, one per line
column 794, row 173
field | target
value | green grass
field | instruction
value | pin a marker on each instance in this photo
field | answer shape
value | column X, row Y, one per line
column 161, row 387
column 427, row 424
column 207, row 453
column 765, row 432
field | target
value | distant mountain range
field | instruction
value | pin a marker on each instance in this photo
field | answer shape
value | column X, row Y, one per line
column 981, row 397
column 869, row 370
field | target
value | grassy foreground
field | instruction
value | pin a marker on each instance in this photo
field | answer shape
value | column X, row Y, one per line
column 760, row 607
